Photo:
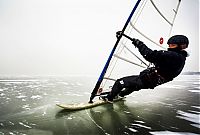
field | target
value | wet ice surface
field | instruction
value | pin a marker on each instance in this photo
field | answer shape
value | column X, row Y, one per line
column 28, row 107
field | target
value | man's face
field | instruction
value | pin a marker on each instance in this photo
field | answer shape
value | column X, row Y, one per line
column 173, row 45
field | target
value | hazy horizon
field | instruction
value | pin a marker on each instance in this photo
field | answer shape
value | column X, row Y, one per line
column 47, row 37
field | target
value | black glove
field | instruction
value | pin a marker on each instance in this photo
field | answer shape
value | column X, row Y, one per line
column 136, row 42
column 118, row 34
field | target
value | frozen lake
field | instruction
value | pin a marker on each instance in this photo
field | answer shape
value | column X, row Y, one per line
column 28, row 107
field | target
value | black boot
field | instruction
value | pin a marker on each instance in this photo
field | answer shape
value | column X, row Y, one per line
column 107, row 98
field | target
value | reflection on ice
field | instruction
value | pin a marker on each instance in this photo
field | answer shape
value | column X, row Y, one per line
column 171, row 133
column 2, row 94
column 198, row 107
column 140, row 125
column 197, row 91
column 78, row 95
column 192, row 117
column 27, row 107
column 36, row 97
column 21, row 96
column 139, row 121
column 65, row 83
column 11, row 123
column 133, row 130
column 171, row 86
column 21, row 123
column 69, row 118
column 127, row 112
column 32, row 86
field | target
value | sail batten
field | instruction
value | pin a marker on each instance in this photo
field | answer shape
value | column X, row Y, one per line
column 108, row 78
column 129, row 61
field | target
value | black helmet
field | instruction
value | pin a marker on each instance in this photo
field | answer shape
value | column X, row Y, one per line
column 179, row 40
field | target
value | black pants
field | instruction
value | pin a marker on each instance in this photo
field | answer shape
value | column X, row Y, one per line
column 126, row 85
column 148, row 79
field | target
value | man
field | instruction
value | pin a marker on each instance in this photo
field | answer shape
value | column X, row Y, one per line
column 167, row 65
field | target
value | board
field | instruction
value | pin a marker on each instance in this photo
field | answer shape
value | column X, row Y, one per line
column 81, row 106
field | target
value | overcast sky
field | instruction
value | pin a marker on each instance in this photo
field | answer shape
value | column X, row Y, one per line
column 73, row 37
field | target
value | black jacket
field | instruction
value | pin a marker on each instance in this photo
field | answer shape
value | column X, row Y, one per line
column 169, row 64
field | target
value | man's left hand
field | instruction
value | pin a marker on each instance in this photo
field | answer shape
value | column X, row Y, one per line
column 136, row 42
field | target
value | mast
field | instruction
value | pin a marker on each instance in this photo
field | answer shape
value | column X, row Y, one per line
column 99, row 81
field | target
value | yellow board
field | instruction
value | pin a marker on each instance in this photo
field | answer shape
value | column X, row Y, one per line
column 80, row 106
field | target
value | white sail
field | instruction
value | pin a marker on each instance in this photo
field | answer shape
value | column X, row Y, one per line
column 152, row 23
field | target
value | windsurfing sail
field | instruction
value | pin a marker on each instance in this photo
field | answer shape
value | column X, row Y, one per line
column 151, row 21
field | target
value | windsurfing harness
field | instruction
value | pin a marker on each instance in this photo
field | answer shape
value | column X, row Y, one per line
column 168, row 65
column 151, row 78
